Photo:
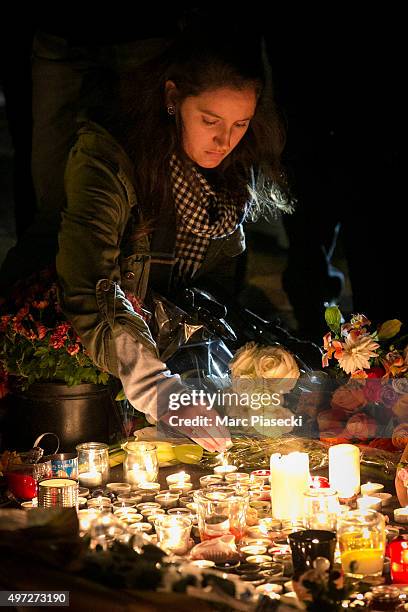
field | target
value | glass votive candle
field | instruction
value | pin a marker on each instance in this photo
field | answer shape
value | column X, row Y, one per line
column 321, row 508
column 179, row 478
column 398, row 552
column 173, row 533
column 148, row 491
column 234, row 477
column 93, row 464
column 141, row 463
column 225, row 469
column 368, row 502
column 167, row 500
column 130, row 499
column 181, row 489
column 210, row 479
column 118, row 487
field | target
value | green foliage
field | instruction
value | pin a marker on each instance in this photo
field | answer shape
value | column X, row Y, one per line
column 37, row 343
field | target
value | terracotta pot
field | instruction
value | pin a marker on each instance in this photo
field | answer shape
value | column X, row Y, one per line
column 76, row 414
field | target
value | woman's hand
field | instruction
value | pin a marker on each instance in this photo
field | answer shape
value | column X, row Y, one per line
column 200, row 425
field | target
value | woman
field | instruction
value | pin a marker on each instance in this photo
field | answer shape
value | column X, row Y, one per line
column 156, row 196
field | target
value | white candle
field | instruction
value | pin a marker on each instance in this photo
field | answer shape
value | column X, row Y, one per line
column 289, row 479
column 344, row 469
column 369, row 503
column 179, row 478
column 371, row 488
column 401, row 515
column 225, row 469
column 90, row 479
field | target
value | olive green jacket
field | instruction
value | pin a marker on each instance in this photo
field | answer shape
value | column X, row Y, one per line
column 93, row 265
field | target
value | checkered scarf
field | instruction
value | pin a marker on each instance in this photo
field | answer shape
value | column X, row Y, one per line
column 202, row 214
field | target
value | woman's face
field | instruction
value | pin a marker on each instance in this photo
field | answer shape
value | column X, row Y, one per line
column 214, row 122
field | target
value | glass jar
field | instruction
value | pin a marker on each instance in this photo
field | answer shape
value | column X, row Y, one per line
column 140, row 464
column 384, row 597
column 221, row 512
column 93, row 464
column 361, row 536
column 321, row 508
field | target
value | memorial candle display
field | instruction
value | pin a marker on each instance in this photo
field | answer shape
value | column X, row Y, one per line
column 344, row 469
column 289, row 480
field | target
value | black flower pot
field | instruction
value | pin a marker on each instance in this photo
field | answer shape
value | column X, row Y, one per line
column 76, row 414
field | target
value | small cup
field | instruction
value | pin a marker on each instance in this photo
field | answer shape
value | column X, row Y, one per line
column 118, row 487
column 309, row 544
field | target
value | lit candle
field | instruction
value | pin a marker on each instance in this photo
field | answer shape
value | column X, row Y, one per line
column 203, row 563
column 289, row 479
column 253, row 549
column 90, row 479
column 85, row 518
column 167, row 500
column 385, row 498
column 148, row 491
column 265, row 474
column 136, row 476
column 210, row 479
column 401, row 515
column 371, row 488
column 179, row 478
column 344, row 469
column 118, row 487
column 369, row 503
column 270, row 589
column 225, row 469
column 259, row 559
column 186, row 487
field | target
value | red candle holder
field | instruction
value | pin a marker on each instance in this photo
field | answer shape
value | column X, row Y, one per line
column 319, row 482
column 398, row 552
column 22, row 477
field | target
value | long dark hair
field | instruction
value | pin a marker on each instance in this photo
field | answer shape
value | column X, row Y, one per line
column 198, row 62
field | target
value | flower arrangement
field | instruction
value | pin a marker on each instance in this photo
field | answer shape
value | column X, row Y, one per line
column 371, row 404
column 37, row 343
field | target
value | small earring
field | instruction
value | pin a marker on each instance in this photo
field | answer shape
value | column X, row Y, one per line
column 171, row 110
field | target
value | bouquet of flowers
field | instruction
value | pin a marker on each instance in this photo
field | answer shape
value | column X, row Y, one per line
column 371, row 403
column 37, row 343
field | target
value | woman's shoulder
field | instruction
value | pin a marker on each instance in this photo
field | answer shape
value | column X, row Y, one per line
column 96, row 141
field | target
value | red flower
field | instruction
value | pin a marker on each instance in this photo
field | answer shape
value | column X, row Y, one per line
column 41, row 331
column 73, row 349
column 40, row 304
column 373, row 389
column 4, row 388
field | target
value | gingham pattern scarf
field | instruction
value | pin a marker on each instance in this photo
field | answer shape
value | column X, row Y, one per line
column 201, row 215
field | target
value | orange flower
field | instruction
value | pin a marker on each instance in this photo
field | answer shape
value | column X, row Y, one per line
column 394, row 364
column 333, row 348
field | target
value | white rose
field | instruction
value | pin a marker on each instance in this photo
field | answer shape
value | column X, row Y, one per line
column 274, row 362
column 242, row 364
column 270, row 413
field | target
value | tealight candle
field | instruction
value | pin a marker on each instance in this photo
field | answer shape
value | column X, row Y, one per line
column 225, row 469
column 371, row 488
column 203, row 563
column 90, row 479
column 82, row 502
column 385, row 498
column 193, row 507
column 85, row 517
column 96, row 502
column 148, row 490
column 241, row 477
column 167, row 500
column 130, row 498
column 118, row 487
column 146, row 505
column 253, row 550
column 185, row 487
column 138, row 527
column 401, row 515
column 269, row 589
column 83, row 492
column 29, row 505
column 184, row 500
column 179, row 478
column 210, row 479
column 259, row 559
column 369, row 503
column 265, row 474
column 179, row 512
column 257, row 532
